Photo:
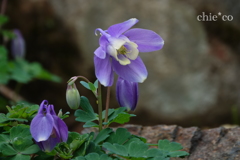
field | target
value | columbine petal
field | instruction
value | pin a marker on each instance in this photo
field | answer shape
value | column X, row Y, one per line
column 133, row 72
column 116, row 42
column 50, row 143
column 63, row 129
column 103, row 70
column 42, row 125
column 100, row 53
column 123, row 60
column 112, row 51
column 59, row 126
column 132, row 51
column 146, row 40
column 117, row 29
column 127, row 93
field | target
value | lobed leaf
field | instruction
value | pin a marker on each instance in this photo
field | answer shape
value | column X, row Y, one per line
column 102, row 135
column 120, row 136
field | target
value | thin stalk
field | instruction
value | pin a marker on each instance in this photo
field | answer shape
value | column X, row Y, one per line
column 107, row 103
column 100, row 106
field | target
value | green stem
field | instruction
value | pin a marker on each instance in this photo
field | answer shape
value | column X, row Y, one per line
column 100, row 106
column 107, row 104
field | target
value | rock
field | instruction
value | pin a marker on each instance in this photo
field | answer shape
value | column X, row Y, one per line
column 202, row 144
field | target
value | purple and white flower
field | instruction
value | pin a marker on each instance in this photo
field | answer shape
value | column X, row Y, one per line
column 119, row 49
column 47, row 128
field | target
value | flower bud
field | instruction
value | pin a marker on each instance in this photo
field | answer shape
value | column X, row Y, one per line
column 127, row 93
column 18, row 45
column 73, row 96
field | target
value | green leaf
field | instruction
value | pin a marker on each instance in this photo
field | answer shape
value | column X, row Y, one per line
column 75, row 140
column 20, row 71
column 153, row 152
column 79, row 158
column 85, row 84
column 81, row 151
column 119, row 116
column 102, row 135
column 3, row 118
column 20, row 144
column 120, row 136
column 45, row 75
column 21, row 112
column 116, row 148
column 31, row 150
column 92, row 87
column 21, row 157
column 169, row 146
column 110, row 111
column 178, row 154
column 122, row 118
column 3, row 19
column 4, row 71
column 159, row 158
column 87, row 114
column 22, row 131
column 116, row 112
column 140, row 138
column 89, row 85
column 95, row 156
column 96, row 84
column 4, row 138
column 90, row 124
column 137, row 149
column 7, row 150
column 8, row 34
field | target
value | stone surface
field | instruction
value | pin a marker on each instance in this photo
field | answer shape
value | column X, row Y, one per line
column 202, row 144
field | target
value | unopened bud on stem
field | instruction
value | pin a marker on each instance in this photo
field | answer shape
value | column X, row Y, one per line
column 73, row 96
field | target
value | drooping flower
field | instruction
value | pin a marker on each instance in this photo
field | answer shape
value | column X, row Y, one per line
column 119, row 49
column 127, row 93
column 47, row 128
column 18, row 45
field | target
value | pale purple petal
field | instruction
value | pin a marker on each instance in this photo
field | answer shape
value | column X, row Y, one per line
column 59, row 125
column 103, row 70
column 49, row 144
column 100, row 53
column 127, row 93
column 117, row 29
column 41, row 126
column 103, row 41
column 133, row 72
column 146, row 40
column 63, row 130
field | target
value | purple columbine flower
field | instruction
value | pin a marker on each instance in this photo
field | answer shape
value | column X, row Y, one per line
column 127, row 93
column 119, row 49
column 47, row 128
column 18, row 45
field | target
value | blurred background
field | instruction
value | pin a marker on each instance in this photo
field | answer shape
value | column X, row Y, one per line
column 193, row 81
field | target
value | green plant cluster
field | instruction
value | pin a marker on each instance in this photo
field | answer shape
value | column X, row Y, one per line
column 16, row 142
